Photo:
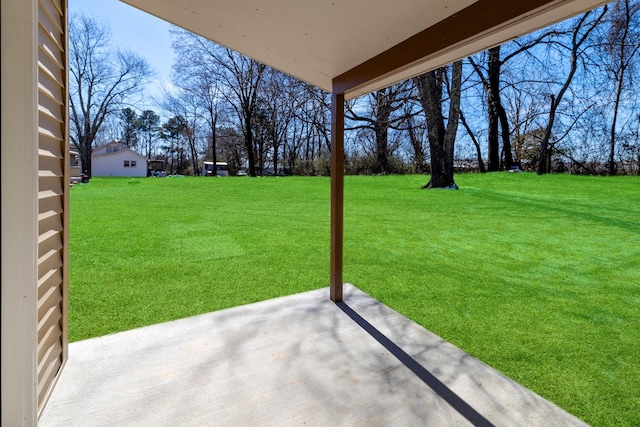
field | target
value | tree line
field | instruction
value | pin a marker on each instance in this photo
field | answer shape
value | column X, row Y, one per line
column 559, row 100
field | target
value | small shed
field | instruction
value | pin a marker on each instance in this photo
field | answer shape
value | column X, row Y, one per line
column 157, row 167
column 222, row 169
column 75, row 164
column 116, row 159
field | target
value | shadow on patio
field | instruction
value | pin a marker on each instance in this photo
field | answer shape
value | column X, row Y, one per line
column 296, row 360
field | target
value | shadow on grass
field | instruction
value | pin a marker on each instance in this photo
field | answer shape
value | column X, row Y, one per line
column 581, row 211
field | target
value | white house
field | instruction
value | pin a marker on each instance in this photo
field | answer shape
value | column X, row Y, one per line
column 115, row 159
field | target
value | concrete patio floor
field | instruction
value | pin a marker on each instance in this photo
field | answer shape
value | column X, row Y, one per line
column 292, row 361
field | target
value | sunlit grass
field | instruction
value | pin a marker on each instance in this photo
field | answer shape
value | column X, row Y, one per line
column 536, row 276
column 149, row 250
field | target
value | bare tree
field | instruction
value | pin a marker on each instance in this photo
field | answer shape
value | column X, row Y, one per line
column 491, row 78
column 100, row 81
column 621, row 47
column 187, row 111
column 240, row 76
column 441, row 138
column 475, row 141
column 417, row 135
column 579, row 35
column 195, row 79
column 279, row 101
column 523, row 101
column 210, row 96
column 230, row 145
column 310, row 141
column 379, row 117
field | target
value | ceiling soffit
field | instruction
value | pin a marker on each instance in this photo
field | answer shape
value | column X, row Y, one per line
column 357, row 46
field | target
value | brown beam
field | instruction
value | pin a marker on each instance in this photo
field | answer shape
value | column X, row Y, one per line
column 337, row 195
column 475, row 19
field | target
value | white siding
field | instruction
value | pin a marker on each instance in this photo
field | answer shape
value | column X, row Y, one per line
column 113, row 164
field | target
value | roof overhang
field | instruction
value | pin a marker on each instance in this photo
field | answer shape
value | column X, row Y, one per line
column 358, row 46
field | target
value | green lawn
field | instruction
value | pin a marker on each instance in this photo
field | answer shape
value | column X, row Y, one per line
column 538, row 276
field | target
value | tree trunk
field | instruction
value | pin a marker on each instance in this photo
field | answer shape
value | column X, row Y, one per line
column 507, row 156
column 612, row 136
column 441, row 140
column 544, row 165
column 214, row 141
column 382, row 148
column 430, row 87
column 248, row 142
column 475, row 142
column 276, row 148
column 419, row 155
column 381, row 126
column 493, row 101
column 86, row 141
column 452, row 121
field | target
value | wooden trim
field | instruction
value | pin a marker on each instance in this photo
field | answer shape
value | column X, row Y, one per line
column 475, row 19
column 337, row 194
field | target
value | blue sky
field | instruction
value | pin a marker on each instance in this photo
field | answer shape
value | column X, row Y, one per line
column 134, row 30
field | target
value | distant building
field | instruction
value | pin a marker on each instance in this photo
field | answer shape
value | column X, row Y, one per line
column 157, row 167
column 75, row 164
column 222, row 169
column 115, row 159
